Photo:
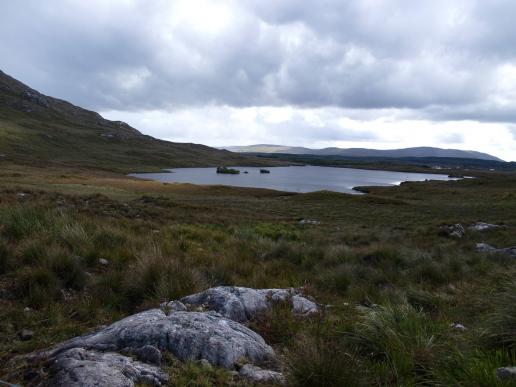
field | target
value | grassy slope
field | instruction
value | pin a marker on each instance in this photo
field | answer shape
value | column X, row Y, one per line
column 166, row 240
column 36, row 129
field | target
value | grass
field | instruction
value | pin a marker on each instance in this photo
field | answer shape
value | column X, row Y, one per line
column 393, row 283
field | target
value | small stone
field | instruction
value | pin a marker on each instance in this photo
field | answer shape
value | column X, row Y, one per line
column 454, row 230
column 26, row 335
column 258, row 375
column 309, row 221
column 506, row 374
column 481, row 226
column 458, row 326
column 484, row 247
column 103, row 261
column 27, row 309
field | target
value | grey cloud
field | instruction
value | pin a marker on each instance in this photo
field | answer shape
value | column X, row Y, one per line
column 435, row 58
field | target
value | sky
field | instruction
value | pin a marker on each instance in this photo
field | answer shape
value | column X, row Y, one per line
column 357, row 73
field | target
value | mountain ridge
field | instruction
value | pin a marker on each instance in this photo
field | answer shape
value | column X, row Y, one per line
column 364, row 152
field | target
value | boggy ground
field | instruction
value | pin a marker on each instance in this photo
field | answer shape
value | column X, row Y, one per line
column 393, row 282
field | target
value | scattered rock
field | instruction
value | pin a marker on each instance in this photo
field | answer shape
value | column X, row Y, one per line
column 103, row 261
column 149, row 354
column 243, row 304
column 458, row 326
column 79, row 367
column 485, row 248
column 481, row 226
column 308, row 221
column 27, row 309
column 506, row 373
column 26, row 335
column 453, row 230
column 187, row 335
column 258, row 375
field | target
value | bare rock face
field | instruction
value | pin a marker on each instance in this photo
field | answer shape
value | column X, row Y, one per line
column 243, row 304
column 79, row 367
column 187, row 335
column 258, row 375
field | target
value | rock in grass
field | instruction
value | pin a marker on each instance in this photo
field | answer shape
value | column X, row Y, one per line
column 258, row 375
column 103, row 261
column 79, row 367
column 453, row 230
column 243, row 304
column 485, row 248
column 481, row 226
column 506, row 374
column 187, row 335
column 26, row 335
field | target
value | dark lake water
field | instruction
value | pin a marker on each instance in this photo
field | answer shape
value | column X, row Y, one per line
column 291, row 179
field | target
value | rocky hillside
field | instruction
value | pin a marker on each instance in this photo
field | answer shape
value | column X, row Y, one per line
column 36, row 129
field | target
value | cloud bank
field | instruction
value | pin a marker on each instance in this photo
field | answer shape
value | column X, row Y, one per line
column 331, row 72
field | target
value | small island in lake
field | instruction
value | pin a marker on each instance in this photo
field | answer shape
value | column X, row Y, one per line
column 264, row 171
column 228, row 171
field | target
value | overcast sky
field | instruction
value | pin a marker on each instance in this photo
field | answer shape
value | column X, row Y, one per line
column 368, row 73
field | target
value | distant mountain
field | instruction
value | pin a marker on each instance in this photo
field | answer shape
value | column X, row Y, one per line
column 362, row 152
column 41, row 130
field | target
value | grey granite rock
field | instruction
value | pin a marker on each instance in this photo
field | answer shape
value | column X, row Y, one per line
column 485, row 248
column 482, row 226
column 79, row 367
column 258, row 375
column 243, row 304
column 506, row 374
column 187, row 335
column 454, row 230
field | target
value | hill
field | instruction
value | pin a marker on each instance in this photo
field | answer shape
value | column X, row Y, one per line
column 363, row 152
column 36, row 129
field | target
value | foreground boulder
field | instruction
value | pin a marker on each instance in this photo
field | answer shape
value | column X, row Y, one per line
column 243, row 304
column 79, row 367
column 205, row 327
column 187, row 335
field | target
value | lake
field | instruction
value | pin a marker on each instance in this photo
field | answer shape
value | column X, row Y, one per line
column 291, row 179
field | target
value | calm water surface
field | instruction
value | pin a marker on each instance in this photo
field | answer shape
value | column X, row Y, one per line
column 291, row 179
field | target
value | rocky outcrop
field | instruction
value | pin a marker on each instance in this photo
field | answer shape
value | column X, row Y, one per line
column 243, row 304
column 187, row 335
column 205, row 327
column 485, row 248
column 79, row 367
